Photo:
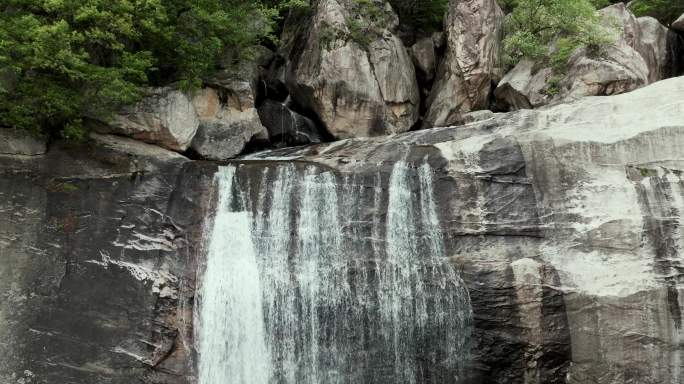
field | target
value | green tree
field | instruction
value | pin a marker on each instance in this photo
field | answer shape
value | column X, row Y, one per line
column 666, row 11
column 62, row 61
column 534, row 26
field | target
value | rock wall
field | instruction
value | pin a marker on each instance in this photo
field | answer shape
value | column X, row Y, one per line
column 564, row 222
column 95, row 270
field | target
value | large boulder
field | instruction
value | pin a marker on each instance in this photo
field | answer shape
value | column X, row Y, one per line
column 15, row 142
column 662, row 49
column 165, row 117
column 227, row 127
column 641, row 54
column 472, row 65
column 347, row 66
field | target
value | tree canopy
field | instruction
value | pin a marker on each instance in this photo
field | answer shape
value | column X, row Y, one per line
column 535, row 25
column 64, row 60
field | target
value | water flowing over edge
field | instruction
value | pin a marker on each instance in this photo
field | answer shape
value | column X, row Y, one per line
column 302, row 285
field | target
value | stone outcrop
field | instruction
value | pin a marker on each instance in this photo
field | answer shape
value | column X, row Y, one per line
column 226, row 127
column 425, row 58
column 472, row 64
column 15, row 142
column 347, row 66
column 165, row 117
column 660, row 47
column 642, row 54
column 287, row 127
column 563, row 222
column 678, row 24
column 94, row 266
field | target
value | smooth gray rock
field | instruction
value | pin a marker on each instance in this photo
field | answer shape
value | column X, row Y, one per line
column 15, row 142
column 472, row 64
column 93, row 264
column 425, row 57
column 358, row 82
column 225, row 129
column 165, row 117
column 654, row 47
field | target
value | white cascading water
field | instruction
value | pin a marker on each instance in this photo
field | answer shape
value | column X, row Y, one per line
column 232, row 337
column 308, row 281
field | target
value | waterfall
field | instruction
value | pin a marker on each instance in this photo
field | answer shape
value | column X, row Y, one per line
column 312, row 277
column 232, row 337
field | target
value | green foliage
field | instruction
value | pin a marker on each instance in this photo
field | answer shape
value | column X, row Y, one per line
column 666, row 11
column 426, row 15
column 535, row 25
column 367, row 20
column 360, row 32
column 65, row 60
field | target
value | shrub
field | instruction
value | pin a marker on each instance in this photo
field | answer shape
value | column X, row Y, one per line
column 666, row 11
column 62, row 61
column 534, row 25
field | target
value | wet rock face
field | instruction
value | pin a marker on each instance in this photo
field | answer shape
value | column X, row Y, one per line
column 93, row 264
column 472, row 64
column 644, row 52
column 287, row 127
column 564, row 223
column 348, row 67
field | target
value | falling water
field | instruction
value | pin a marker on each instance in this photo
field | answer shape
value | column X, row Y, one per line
column 232, row 337
column 312, row 278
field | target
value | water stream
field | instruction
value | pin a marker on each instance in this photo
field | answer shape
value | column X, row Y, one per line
column 312, row 277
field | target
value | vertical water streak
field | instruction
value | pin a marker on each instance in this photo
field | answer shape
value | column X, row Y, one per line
column 231, row 330
column 272, row 234
column 335, row 281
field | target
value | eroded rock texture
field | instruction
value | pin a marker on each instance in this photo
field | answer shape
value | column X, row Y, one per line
column 644, row 52
column 94, row 266
column 564, row 222
column 472, row 65
column 348, row 67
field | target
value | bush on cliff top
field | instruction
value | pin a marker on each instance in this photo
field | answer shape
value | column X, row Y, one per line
column 534, row 25
column 64, row 60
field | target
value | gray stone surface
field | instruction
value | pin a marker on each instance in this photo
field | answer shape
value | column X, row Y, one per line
column 565, row 225
column 225, row 128
column 93, row 265
column 472, row 64
column 678, row 24
column 425, row 58
column 357, row 88
column 165, row 117
column 15, row 142
column 287, row 127
column 564, row 222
